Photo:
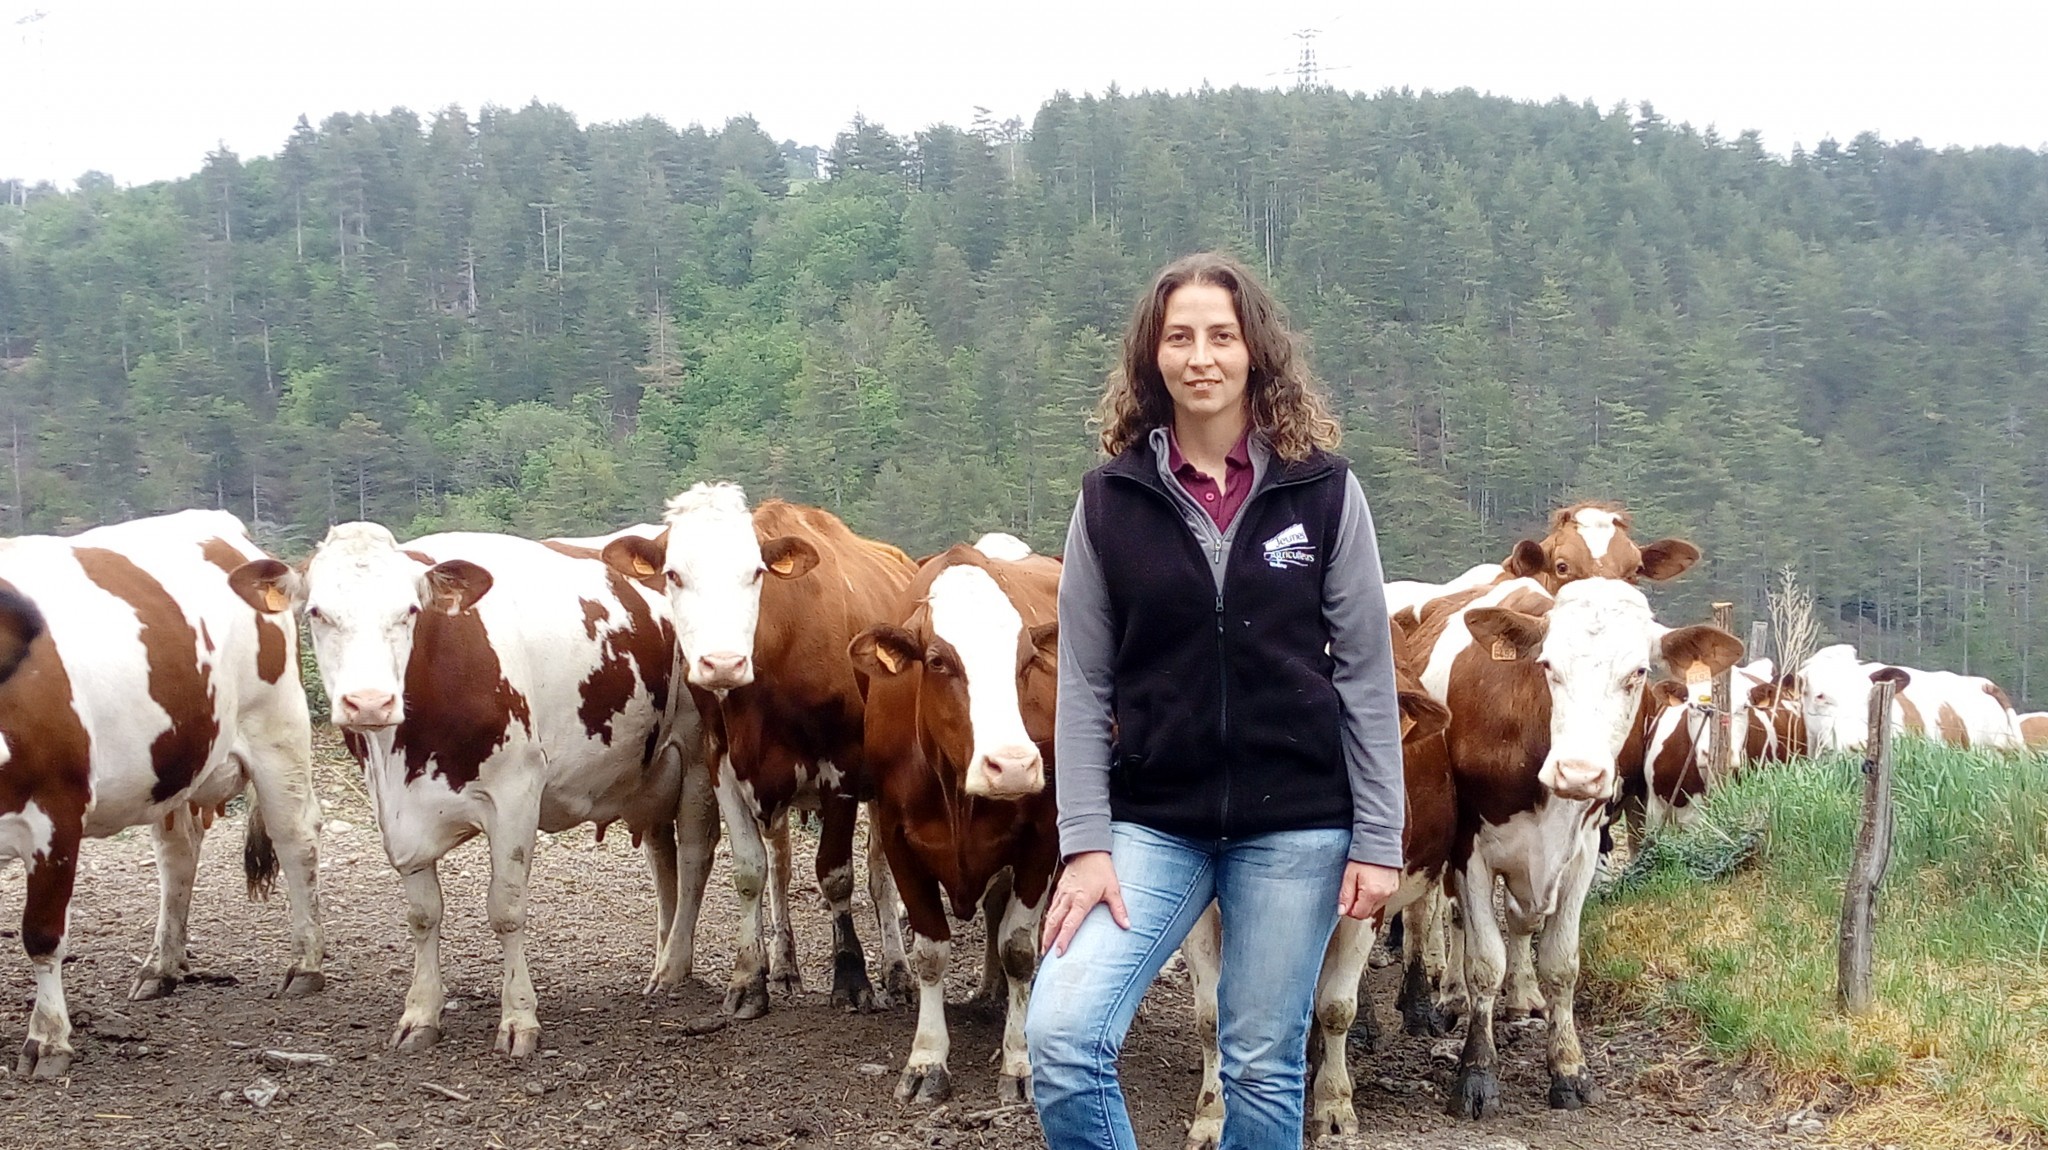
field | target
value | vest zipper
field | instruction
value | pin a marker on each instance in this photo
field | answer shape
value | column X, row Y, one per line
column 1223, row 720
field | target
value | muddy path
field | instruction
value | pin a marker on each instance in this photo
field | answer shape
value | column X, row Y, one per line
column 622, row 1071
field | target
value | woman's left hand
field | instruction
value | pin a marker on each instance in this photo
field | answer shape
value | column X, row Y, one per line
column 1366, row 889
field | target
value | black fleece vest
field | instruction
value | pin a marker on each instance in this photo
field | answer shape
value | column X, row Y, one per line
column 1227, row 723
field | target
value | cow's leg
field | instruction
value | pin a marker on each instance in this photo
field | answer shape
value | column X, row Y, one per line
column 924, row 1078
column 746, row 996
column 660, row 848
column 1019, row 934
column 281, row 775
column 694, row 836
column 46, row 1053
column 783, row 971
column 897, row 982
column 994, row 989
column 1203, row 950
column 514, row 823
column 850, row 985
column 1454, row 998
column 177, row 837
column 1524, row 999
column 1476, row 1093
column 420, row 1026
column 1422, row 927
column 1557, row 965
column 1337, row 1005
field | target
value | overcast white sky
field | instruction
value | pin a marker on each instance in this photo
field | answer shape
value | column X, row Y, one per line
column 142, row 90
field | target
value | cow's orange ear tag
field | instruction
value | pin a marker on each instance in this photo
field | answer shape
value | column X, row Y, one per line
column 783, row 566
column 275, row 599
column 642, row 567
column 888, row 659
column 1697, row 673
column 1503, row 651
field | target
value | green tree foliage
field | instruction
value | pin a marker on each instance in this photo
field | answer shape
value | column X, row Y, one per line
column 511, row 321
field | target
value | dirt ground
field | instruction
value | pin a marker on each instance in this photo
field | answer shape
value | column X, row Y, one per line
column 618, row 1070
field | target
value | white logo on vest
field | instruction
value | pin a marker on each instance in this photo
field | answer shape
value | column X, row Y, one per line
column 1290, row 548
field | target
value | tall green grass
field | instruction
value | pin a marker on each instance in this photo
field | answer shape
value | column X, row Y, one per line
column 1962, row 933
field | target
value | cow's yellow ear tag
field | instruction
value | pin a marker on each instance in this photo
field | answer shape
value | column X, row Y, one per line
column 888, row 659
column 1697, row 673
column 642, row 567
column 275, row 599
column 783, row 566
column 1503, row 651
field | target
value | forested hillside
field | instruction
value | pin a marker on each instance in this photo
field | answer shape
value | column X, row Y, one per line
column 1836, row 360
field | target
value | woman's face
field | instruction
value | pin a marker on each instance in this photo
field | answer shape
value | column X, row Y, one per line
column 1202, row 354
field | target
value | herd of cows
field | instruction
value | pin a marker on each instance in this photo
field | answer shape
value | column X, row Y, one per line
column 730, row 664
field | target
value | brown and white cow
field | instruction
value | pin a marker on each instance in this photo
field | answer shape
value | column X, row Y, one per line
column 1586, row 541
column 1960, row 710
column 1427, row 838
column 2033, row 728
column 1676, row 764
column 153, row 696
column 1543, row 704
column 960, row 702
column 765, row 603
column 499, row 686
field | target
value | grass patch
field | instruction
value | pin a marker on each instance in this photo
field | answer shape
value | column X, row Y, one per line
column 1956, row 1050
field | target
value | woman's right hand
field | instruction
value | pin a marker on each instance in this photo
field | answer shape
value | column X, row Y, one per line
column 1089, row 878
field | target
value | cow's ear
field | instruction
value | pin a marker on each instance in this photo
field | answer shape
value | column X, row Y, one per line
column 1897, row 675
column 1422, row 716
column 1525, row 561
column 884, row 650
column 1708, row 647
column 789, row 557
column 1667, row 692
column 1666, row 559
column 20, row 625
column 453, row 587
column 1764, row 696
column 269, row 586
column 638, row 559
column 1045, row 649
column 1506, row 635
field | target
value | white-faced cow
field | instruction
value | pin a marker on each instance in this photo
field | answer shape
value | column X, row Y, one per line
column 152, row 697
column 499, row 686
column 960, row 700
column 765, row 603
column 1586, row 541
column 1675, row 774
column 1543, row 705
column 1960, row 710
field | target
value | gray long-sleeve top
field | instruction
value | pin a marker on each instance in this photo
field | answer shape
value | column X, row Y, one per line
column 1354, row 605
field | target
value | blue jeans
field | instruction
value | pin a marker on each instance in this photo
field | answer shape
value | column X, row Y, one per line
column 1278, row 897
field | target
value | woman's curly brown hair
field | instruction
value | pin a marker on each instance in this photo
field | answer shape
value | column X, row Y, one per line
column 1287, row 401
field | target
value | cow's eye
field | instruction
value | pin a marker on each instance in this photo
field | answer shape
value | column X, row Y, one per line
column 1563, row 568
column 675, row 578
column 314, row 613
column 937, row 663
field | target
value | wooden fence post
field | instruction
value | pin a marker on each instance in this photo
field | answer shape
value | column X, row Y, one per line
column 1720, row 756
column 1873, row 856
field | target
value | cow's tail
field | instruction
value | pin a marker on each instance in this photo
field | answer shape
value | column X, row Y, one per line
column 259, row 857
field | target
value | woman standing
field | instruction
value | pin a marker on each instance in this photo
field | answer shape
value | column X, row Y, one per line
column 1228, row 727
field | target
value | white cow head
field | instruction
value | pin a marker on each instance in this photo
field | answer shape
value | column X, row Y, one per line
column 975, row 650
column 1834, row 697
column 711, row 562
column 362, row 597
column 1597, row 648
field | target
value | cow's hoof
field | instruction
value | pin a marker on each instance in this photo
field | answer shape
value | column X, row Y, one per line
column 1424, row 1021
column 516, row 1038
column 152, row 986
column 301, row 983
column 39, row 1061
column 850, row 985
column 924, row 1085
column 1575, row 1092
column 1334, row 1118
column 747, row 999
column 898, row 982
column 1012, row 1089
column 1204, row 1134
column 787, row 983
column 415, row 1036
column 1476, row 1094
